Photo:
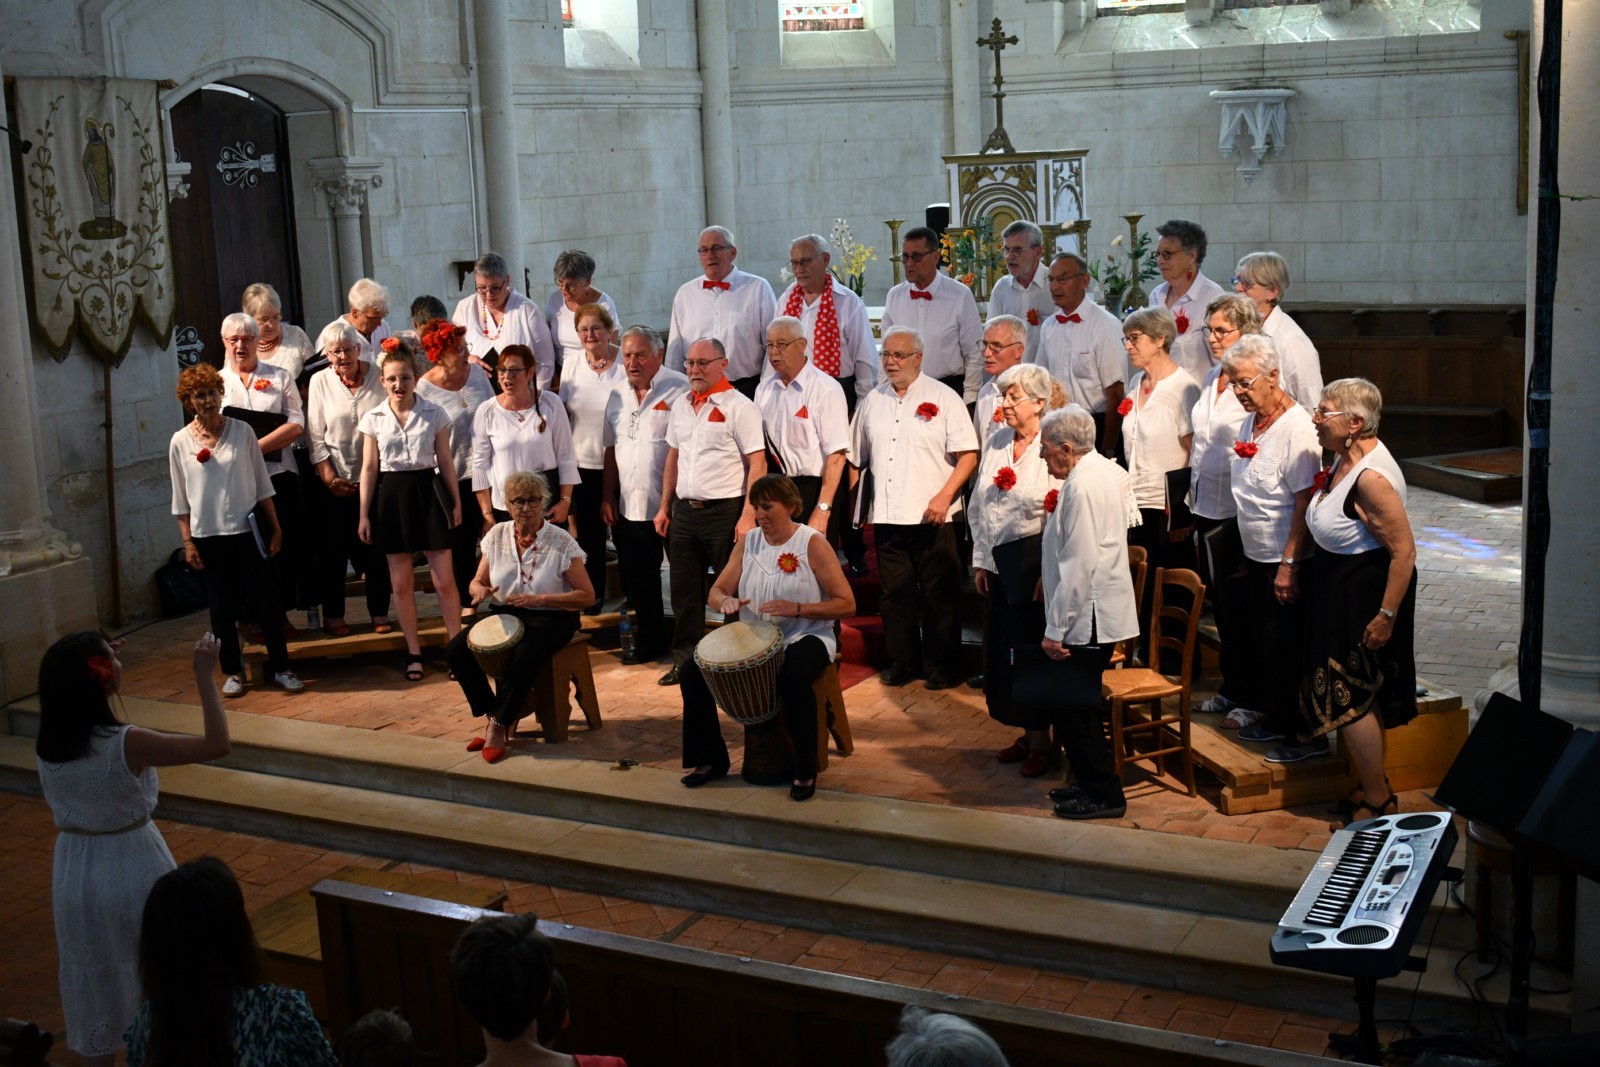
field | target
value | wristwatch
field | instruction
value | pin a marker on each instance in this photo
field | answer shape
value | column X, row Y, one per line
column 1386, row 613
column 824, row 507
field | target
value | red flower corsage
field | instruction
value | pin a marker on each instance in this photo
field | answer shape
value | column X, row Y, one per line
column 1050, row 499
column 788, row 563
column 1319, row 481
column 1125, row 407
column 100, row 669
column 1005, row 479
column 1033, row 316
column 203, row 455
column 1183, row 322
column 1245, row 449
column 716, row 415
column 261, row 385
column 927, row 410
column 998, row 416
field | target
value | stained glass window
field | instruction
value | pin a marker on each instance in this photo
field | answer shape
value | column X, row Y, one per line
column 800, row 18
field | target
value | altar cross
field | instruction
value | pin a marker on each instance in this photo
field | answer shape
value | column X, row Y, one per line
column 998, row 141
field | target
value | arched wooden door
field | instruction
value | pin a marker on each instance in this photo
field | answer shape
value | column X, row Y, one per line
column 236, row 226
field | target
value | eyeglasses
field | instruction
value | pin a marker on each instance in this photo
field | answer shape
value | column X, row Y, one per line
column 1244, row 385
column 796, row 264
column 1237, row 281
column 493, row 290
column 348, row 350
column 711, row 250
column 779, row 346
column 1320, row 415
column 523, row 503
column 914, row 257
column 1069, row 277
column 1009, row 401
column 898, row 357
column 1132, row 337
column 510, row 372
column 1169, row 253
column 701, row 364
column 1016, row 250
column 1211, row 332
column 999, row 346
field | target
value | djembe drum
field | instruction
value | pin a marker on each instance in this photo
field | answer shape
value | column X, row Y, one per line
column 740, row 663
column 491, row 640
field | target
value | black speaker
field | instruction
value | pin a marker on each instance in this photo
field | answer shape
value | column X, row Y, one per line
column 937, row 218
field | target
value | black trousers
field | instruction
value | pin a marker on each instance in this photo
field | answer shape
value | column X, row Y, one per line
column 341, row 544
column 841, row 531
column 747, row 386
column 1274, row 634
column 639, row 553
column 1082, row 737
column 803, row 661
column 698, row 543
column 958, row 382
column 1225, row 593
column 544, row 633
column 921, row 574
column 1012, row 620
column 238, row 579
column 291, row 563
column 464, row 542
column 591, row 530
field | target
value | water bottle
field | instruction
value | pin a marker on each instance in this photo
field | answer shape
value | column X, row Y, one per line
column 625, row 629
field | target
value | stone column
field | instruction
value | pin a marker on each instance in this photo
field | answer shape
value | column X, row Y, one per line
column 716, row 114
column 346, row 182
column 46, row 580
column 502, row 181
column 966, row 115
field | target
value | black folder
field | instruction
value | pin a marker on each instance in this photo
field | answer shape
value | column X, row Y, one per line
column 262, row 422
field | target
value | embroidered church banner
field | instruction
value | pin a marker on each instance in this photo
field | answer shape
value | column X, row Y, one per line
column 95, row 203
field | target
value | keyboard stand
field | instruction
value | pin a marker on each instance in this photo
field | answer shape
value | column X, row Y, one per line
column 1363, row 1044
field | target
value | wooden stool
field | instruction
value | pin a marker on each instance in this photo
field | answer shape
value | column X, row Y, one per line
column 769, row 750
column 1491, row 853
column 550, row 701
column 831, row 717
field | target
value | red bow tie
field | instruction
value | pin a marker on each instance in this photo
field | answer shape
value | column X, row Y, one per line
column 921, row 294
column 1074, row 317
column 709, row 284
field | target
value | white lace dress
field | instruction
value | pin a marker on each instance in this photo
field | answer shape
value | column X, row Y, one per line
column 107, row 857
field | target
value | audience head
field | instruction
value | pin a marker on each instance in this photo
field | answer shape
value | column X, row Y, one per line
column 933, row 1039
column 424, row 309
column 1005, row 342
column 776, row 489
column 1022, row 244
column 369, row 305
column 503, row 968
column 77, row 676
column 1355, row 405
column 378, row 1039
column 554, row 1018
column 717, row 251
column 1180, row 249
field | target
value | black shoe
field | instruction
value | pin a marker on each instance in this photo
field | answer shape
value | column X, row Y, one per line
column 670, row 678
column 1086, row 807
column 696, row 779
column 802, row 792
column 895, row 676
column 857, row 570
column 975, row 682
column 939, row 681
column 1067, row 792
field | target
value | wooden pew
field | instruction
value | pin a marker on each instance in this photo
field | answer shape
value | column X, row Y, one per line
column 660, row 1005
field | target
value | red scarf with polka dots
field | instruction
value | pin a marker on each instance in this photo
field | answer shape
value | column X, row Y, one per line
column 825, row 338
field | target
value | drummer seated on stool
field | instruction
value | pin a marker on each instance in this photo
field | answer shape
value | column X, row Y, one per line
column 784, row 573
column 532, row 571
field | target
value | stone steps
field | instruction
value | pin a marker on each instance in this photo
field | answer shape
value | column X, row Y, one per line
column 1155, row 908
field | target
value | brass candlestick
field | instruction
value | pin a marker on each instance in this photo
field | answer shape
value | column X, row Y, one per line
column 1134, row 296
column 894, row 245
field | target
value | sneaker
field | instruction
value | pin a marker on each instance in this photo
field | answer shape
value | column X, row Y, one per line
column 1298, row 753
column 1086, row 807
column 286, row 680
column 233, row 687
column 1259, row 734
column 1217, row 705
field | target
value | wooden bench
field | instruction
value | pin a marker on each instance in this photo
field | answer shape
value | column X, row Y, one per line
column 314, row 644
column 286, row 929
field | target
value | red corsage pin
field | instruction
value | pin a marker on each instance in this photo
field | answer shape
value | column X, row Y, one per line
column 1125, row 407
column 788, row 563
column 1033, row 316
column 1005, row 479
column 998, row 416
column 1183, row 322
column 1050, row 499
column 203, row 455
column 927, row 411
column 1245, row 449
column 261, row 385
column 1319, row 481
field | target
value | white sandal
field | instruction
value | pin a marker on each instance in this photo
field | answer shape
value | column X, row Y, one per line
column 1215, row 705
column 1239, row 718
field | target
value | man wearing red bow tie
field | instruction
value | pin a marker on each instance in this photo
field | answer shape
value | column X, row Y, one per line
column 942, row 310
column 636, row 457
column 1081, row 345
column 728, row 304
column 715, row 453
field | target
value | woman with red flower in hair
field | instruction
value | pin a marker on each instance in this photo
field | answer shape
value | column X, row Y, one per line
column 1007, row 520
column 98, row 776
column 786, row 573
column 219, row 479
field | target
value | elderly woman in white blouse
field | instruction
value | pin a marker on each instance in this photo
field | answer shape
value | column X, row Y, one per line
column 283, row 344
column 460, row 387
column 1275, row 462
column 525, row 428
column 1088, row 605
column 405, row 442
column 1216, row 419
column 1007, row 516
column 574, row 273
column 1263, row 277
column 533, row 570
column 336, row 399
column 497, row 316
column 786, row 573
column 587, row 385
column 1156, row 434
column 218, row 481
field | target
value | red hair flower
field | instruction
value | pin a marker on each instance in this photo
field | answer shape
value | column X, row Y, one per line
column 927, row 411
column 1245, row 449
column 1125, row 407
column 1005, row 479
column 1183, row 322
column 261, row 385
column 1319, row 481
column 203, row 455
column 788, row 563
column 439, row 337
column 998, row 415
column 1033, row 316
column 1050, row 499
column 100, row 669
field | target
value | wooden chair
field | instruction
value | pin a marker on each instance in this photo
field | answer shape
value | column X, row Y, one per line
column 1174, row 628
column 1139, row 566
column 550, row 702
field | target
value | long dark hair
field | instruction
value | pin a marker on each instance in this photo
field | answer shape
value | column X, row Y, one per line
column 196, row 950
column 72, row 700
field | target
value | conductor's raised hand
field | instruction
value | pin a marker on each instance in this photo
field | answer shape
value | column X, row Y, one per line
column 206, row 651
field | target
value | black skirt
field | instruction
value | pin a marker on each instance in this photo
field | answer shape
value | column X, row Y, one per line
column 408, row 516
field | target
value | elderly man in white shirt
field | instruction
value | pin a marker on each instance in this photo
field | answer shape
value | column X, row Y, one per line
column 1080, row 344
column 1023, row 291
column 496, row 315
column 803, row 415
column 942, row 311
column 1185, row 292
column 635, row 460
column 912, row 437
column 838, row 330
column 369, row 314
column 1005, row 339
column 1264, row 278
column 726, row 304
column 715, row 453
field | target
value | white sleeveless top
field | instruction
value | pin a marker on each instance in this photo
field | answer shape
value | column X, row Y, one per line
column 783, row 572
column 1331, row 528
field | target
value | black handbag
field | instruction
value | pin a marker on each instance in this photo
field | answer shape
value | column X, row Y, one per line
column 181, row 588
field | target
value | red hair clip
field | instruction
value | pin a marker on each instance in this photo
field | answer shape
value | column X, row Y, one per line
column 100, row 669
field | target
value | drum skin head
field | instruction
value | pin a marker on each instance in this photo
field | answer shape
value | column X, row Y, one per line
column 493, row 631
column 736, row 641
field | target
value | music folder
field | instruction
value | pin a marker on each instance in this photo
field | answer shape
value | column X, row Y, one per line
column 262, row 422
